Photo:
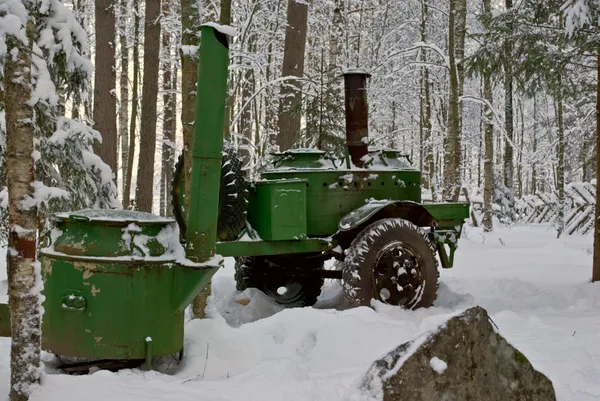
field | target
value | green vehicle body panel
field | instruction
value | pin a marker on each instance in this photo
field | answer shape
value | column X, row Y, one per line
column 331, row 195
column 264, row 248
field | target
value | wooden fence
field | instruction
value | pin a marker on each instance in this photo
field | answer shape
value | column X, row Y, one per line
column 580, row 203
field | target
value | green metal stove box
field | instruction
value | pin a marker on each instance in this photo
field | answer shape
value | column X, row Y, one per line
column 113, row 288
column 277, row 209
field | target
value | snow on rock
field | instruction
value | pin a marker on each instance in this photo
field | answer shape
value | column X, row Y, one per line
column 438, row 365
column 482, row 366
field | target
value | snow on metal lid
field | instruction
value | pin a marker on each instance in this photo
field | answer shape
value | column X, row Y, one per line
column 356, row 71
column 224, row 29
column 297, row 151
column 114, row 215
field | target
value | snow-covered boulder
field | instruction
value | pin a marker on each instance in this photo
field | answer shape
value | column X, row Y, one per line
column 465, row 359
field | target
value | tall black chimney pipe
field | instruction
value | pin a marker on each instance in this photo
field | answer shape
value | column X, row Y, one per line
column 357, row 115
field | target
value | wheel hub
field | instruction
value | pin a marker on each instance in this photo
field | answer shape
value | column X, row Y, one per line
column 397, row 274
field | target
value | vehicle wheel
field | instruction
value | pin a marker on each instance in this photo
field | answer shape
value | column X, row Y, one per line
column 270, row 277
column 393, row 261
column 233, row 196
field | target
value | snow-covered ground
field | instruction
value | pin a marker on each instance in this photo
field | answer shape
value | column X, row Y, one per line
column 535, row 287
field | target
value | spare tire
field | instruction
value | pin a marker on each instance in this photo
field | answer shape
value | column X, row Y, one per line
column 233, row 196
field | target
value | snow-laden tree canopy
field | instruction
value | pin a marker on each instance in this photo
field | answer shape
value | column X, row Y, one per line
column 68, row 173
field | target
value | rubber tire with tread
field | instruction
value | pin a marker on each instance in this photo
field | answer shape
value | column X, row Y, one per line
column 358, row 266
column 253, row 272
column 233, row 196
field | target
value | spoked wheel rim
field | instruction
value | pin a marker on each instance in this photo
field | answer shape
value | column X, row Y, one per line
column 285, row 292
column 398, row 274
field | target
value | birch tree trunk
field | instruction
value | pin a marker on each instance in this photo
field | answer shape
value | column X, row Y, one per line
column 134, row 106
column 23, row 269
column 105, row 81
column 145, row 173
column 290, row 102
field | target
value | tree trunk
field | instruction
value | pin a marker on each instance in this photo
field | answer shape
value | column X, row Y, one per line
column 560, row 167
column 168, row 115
column 560, row 151
column 225, row 19
column 534, row 146
column 105, row 81
column 124, row 90
column 22, row 267
column 190, row 28
column 488, row 164
column 145, row 176
column 290, row 102
column 246, row 114
column 508, row 114
column 171, row 148
column 427, row 139
column 134, row 107
column 452, row 182
column 459, row 51
column 596, row 257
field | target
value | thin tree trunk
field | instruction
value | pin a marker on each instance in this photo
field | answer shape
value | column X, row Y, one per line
column 596, row 257
column 488, row 163
column 534, row 146
column 290, row 101
column 124, row 90
column 225, row 19
column 560, row 167
column 508, row 113
column 134, row 106
column 145, row 175
column 105, row 80
column 171, row 148
column 22, row 267
column 270, row 113
column 427, row 140
column 190, row 27
column 168, row 115
column 560, row 151
column 520, row 155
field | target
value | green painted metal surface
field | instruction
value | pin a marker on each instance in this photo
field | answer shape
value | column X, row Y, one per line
column 207, row 145
column 277, row 209
column 4, row 321
column 333, row 193
column 263, row 248
column 448, row 215
column 106, row 307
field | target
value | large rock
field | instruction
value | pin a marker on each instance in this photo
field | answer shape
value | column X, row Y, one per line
column 466, row 359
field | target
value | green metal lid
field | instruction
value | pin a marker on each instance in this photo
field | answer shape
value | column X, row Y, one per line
column 113, row 233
